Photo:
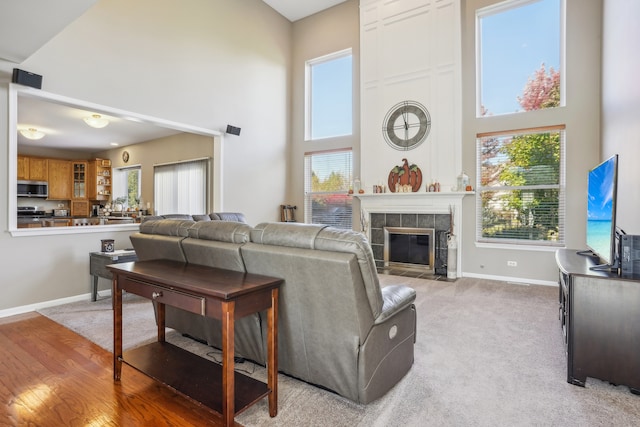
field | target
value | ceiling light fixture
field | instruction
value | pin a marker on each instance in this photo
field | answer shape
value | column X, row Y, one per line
column 32, row 133
column 96, row 121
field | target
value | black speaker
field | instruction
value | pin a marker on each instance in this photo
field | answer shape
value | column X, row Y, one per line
column 630, row 255
column 233, row 130
column 26, row 78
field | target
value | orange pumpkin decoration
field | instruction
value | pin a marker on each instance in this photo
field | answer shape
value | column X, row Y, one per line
column 405, row 175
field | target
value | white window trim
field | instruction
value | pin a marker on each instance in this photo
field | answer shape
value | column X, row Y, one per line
column 307, row 89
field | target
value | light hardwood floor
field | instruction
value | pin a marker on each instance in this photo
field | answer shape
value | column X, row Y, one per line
column 51, row 376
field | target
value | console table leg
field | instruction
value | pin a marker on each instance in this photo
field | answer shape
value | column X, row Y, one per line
column 117, row 330
column 94, row 288
column 272, row 353
column 161, row 312
column 228, row 349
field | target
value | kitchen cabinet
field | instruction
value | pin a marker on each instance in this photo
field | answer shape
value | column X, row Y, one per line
column 79, row 178
column 99, row 180
column 32, row 168
column 59, row 177
column 80, row 208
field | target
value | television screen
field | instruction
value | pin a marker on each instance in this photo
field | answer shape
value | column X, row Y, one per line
column 601, row 210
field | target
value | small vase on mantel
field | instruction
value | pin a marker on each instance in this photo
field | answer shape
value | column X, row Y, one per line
column 452, row 257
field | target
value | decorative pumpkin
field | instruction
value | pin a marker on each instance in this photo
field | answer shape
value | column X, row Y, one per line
column 405, row 175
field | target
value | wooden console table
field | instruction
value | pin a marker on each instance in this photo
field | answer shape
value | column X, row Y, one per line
column 599, row 315
column 222, row 294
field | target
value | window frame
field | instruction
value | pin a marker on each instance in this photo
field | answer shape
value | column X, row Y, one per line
column 308, row 194
column 308, row 93
column 518, row 123
column 499, row 8
column 124, row 170
column 560, row 186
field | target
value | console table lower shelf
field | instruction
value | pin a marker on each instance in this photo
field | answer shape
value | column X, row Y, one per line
column 193, row 376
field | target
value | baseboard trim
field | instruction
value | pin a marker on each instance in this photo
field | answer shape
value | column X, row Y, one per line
column 514, row 280
column 52, row 303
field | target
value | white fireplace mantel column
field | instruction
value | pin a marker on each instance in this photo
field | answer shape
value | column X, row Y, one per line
column 419, row 203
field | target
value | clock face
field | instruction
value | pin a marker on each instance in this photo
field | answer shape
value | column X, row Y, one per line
column 125, row 156
column 406, row 125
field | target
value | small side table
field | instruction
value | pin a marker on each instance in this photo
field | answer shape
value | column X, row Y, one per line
column 98, row 262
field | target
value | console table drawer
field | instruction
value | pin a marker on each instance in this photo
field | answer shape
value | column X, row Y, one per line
column 185, row 301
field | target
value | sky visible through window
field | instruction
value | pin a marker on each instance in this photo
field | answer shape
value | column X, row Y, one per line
column 331, row 98
column 515, row 43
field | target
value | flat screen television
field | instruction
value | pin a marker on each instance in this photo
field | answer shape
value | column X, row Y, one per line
column 601, row 212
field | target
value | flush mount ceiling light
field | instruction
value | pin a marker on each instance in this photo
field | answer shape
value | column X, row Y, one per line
column 32, row 133
column 96, row 121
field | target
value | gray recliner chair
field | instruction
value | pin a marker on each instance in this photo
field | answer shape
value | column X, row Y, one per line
column 337, row 327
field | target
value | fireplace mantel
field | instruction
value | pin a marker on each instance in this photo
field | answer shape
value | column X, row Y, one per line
column 443, row 202
column 434, row 202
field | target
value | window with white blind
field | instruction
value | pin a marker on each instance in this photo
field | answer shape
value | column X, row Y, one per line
column 181, row 188
column 126, row 186
column 327, row 178
column 521, row 187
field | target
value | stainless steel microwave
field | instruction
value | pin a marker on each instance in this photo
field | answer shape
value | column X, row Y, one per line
column 33, row 189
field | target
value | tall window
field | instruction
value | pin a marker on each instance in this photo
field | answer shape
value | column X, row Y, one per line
column 126, row 186
column 521, row 187
column 181, row 187
column 520, row 172
column 327, row 178
column 329, row 96
column 519, row 56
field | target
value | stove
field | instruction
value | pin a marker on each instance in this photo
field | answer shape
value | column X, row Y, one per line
column 31, row 212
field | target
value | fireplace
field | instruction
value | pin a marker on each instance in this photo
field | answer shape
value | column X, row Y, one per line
column 409, row 248
column 440, row 211
column 438, row 224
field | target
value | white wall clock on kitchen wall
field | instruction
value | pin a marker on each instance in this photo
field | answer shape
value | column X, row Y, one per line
column 406, row 125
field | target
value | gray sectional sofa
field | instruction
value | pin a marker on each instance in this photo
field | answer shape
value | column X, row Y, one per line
column 337, row 327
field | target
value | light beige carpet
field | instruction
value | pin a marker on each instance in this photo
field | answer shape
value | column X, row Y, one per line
column 487, row 354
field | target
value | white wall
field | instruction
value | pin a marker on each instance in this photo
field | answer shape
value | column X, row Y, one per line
column 411, row 51
column 206, row 63
column 621, row 104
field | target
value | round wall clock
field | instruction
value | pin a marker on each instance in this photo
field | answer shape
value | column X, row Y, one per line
column 406, row 125
column 125, row 156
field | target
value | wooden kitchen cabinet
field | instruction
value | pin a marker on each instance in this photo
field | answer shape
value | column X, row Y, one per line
column 79, row 179
column 80, row 208
column 59, row 177
column 99, row 179
column 32, row 168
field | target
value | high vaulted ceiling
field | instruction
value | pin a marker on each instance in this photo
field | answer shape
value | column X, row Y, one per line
column 298, row 9
column 27, row 25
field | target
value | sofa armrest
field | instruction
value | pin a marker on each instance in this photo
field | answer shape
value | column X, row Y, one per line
column 395, row 299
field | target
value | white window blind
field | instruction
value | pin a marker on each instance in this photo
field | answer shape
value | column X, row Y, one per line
column 328, row 176
column 521, row 187
column 181, row 188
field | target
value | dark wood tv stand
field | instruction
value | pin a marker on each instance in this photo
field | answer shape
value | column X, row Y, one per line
column 600, row 319
column 213, row 292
